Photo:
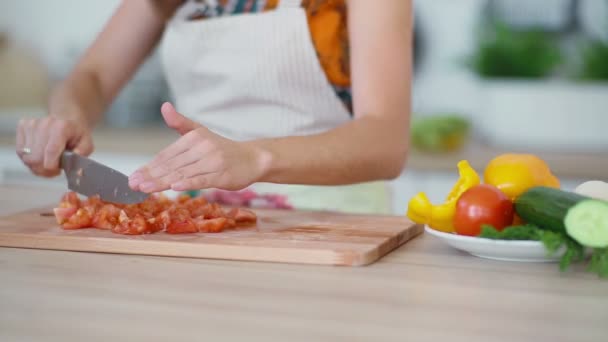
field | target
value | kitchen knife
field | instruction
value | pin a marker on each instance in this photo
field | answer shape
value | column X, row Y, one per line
column 89, row 178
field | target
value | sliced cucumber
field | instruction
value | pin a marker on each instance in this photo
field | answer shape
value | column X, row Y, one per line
column 587, row 223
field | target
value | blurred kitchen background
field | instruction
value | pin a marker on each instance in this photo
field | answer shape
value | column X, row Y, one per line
column 490, row 77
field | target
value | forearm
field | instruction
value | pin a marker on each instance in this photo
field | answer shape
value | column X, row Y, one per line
column 78, row 97
column 131, row 33
column 366, row 149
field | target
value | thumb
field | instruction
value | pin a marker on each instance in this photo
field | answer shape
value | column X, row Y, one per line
column 177, row 121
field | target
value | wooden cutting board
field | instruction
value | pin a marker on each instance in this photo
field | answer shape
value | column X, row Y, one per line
column 279, row 236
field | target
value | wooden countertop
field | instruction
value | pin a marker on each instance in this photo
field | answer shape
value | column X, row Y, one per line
column 423, row 291
column 151, row 139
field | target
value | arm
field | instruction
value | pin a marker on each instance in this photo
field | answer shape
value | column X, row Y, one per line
column 125, row 42
column 371, row 147
column 78, row 102
column 375, row 144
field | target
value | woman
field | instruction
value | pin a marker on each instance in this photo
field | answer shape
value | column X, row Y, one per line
column 263, row 93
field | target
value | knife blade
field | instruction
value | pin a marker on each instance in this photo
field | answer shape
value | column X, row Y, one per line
column 89, row 178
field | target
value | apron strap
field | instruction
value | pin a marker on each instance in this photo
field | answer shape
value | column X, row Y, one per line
column 289, row 4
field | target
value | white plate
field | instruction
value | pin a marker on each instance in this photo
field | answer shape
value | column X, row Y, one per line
column 506, row 250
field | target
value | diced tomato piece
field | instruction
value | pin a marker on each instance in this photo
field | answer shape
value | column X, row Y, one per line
column 155, row 225
column 183, row 198
column 214, row 225
column 80, row 219
column 93, row 201
column 210, row 211
column 241, row 215
column 62, row 215
column 70, row 200
column 164, row 218
column 106, row 217
column 181, row 227
column 136, row 225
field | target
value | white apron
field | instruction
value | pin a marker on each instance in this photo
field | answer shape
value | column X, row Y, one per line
column 251, row 76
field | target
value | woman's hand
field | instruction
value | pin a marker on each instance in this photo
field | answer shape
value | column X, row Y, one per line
column 199, row 159
column 40, row 142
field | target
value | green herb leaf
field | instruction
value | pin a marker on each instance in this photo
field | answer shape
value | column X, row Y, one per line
column 523, row 232
column 599, row 262
column 574, row 252
column 552, row 240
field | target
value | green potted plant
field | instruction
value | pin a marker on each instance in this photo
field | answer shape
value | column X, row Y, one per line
column 528, row 100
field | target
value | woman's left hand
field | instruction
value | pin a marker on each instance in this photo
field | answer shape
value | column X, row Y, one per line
column 198, row 159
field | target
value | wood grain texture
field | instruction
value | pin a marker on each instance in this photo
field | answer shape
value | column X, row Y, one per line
column 278, row 236
column 422, row 291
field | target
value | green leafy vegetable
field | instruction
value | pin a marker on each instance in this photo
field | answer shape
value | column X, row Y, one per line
column 599, row 262
column 574, row 252
column 552, row 241
column 523, row 232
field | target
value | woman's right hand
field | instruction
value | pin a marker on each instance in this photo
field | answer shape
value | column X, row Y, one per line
column 40, row 142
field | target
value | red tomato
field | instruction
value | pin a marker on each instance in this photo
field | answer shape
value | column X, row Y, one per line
column 63, row 214
column 106, row 217
column 157, row 213
column 81, row 219
column 182, row 227
column 133, row 226
column 70, row 200
column 482, row 204
column 241, row 215
column 215, row 225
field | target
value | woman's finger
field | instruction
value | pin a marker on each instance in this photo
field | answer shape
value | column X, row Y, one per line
column 182, row 160
column 33, row 156
column 194, row 183
column 160, row 162
column 197, row 168
column 55, row 145
column 84, row 147
column 20, row 139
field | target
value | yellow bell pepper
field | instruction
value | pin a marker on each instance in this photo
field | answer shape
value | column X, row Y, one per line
column 515, row 173
column 440, row 217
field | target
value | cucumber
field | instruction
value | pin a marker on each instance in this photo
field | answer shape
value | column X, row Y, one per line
column 547, row 207
column 587, row 223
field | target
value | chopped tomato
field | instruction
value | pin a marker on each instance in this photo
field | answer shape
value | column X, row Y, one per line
column 241, row 215
column 80, row 219
column 70, row 200
column 215, row 225
column 182, row 215
column 155, row 225
column 197, row 206
column 106, row 217
column 64, row 214
column 183, row 198
column 181, row 227
column 133, row 226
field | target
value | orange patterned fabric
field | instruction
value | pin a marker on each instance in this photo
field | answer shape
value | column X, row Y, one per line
column 327, row 20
